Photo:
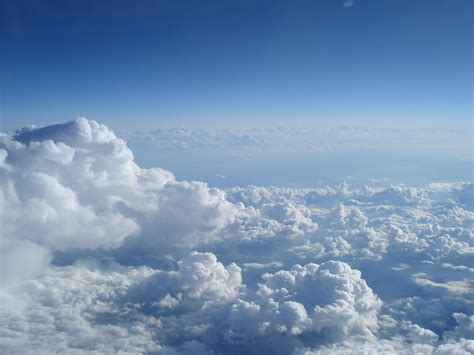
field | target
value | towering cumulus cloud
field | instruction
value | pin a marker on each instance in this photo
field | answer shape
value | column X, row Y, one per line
column 98, row 254
column 75, row 185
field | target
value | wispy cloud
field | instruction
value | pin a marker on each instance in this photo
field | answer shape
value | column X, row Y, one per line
column 348, row 3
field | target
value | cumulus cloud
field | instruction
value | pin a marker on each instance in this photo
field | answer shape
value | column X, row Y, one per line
column 330, row 299
column 76, row 186
column 200, row 280
column 84, row 305
column 99, row 254
column 73, row 308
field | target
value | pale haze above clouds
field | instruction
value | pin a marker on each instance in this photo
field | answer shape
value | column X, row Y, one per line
column 100, row 254
column 310, row 156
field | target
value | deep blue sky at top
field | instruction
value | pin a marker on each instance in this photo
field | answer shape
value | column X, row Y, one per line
column 261, row 61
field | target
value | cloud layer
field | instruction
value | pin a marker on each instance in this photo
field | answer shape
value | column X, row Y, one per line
column 99, row 254
column 311, row 156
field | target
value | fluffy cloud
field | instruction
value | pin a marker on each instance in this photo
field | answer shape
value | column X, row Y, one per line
column 76, row 186
column 199, row 281
column 85, row 305
column 74, row 309
column 99, row 254
column 330, row 299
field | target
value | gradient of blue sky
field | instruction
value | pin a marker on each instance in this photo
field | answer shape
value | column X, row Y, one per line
column 261, row 61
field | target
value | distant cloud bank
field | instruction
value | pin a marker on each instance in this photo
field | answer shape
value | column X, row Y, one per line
column 99, row 254
column 311, row 156
column 322, row 138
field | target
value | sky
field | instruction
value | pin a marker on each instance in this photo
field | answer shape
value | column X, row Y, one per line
column 162, row 63
column 244, row 177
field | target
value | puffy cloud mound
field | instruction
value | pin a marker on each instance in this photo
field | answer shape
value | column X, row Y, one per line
column 85, row 305
column 75, row 309
column 99, row 254
column 76, row 185
column 200, row 280
column 330, row 299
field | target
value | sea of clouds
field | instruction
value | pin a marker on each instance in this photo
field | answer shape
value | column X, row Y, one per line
column 309, row 156
column 99, row 254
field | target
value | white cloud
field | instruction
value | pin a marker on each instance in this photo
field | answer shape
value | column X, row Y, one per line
column 94, row 248
column 75, row 185
column 330, row 299
column 200, row 280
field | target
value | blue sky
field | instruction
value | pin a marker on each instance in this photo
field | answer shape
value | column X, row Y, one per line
column 155, row 63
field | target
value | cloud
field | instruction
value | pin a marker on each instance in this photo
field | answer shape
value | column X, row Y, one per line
column 100, row 254
column 72, row 309
column 76, row 186
column 200, row 280
column 330, row 299
column 83, row 306
column 348, row 3
column 314, row 139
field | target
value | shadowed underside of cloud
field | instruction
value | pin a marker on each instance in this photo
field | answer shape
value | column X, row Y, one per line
column 98, row 254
